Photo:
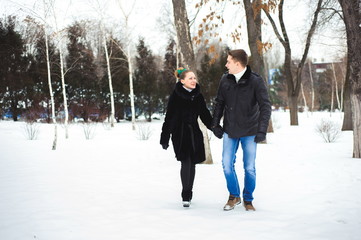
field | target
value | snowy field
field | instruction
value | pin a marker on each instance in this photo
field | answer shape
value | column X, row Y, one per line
column 116, row 187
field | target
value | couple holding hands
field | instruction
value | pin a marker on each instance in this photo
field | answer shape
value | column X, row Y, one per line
column 243, row 102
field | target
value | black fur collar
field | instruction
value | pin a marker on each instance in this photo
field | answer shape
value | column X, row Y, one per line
column 244, row 78
column 182, row 92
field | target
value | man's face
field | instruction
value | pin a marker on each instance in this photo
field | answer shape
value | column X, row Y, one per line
column 233, row 66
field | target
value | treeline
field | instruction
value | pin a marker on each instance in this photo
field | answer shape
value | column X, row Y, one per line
column 24, row 89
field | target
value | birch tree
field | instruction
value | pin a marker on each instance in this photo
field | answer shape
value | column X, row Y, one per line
column 99, row 9
column 127, row 53
column 336, row 86
column 304, row 98
column 352, row 17
column 53, row 116
column 187, row 53
column 46, row 28
column 112, row 108
column 312, row 87
column 62, row 68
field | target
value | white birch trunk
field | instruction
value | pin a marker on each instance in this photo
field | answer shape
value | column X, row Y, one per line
column 336, row 87
column 66, row 112
column 131, row 87
column 112, row 108
column 312, row 88
column 304, row 99
column 129, row 58
column 332, row 97
column 342, row 86
column 53, row 117
column 356, row 119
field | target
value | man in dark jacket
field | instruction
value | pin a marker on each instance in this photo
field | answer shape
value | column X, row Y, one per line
column 243, row 102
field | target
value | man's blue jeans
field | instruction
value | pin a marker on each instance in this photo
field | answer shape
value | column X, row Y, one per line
column 249, row 147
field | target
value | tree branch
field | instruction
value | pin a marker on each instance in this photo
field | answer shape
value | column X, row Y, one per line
column 282, row 23
column 335, row 11
column 308, row 42
column 274, row 27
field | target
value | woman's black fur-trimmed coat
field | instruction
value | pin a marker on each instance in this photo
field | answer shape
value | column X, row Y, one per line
column 181, row 123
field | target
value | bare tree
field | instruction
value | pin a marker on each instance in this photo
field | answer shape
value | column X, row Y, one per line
column 99, row 8
column 332, row 95
column 186, row 51
column 336, row 87
column 51, row 4
column 255, row 43
column 53, row 117
column 312, row 87
column 293, row 82
column 112, row 108
column 352, row 14
column 45, row 27
column 128, row 55
column 304, row 98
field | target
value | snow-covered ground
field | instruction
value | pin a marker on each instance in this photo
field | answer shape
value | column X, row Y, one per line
column 116, row 186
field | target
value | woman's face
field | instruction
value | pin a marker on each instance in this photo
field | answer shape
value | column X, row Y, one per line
column 190, row 80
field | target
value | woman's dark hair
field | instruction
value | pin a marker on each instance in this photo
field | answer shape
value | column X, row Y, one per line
column 239, row 55
column 180, row 73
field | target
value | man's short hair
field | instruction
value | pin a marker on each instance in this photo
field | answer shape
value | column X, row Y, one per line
column 239, row 55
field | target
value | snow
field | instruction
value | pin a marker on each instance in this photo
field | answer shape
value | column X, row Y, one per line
column 116, row 186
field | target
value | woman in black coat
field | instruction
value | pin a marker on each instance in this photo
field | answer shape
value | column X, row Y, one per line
column 185, row 104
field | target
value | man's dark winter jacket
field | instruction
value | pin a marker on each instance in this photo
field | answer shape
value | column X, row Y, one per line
column 181, row 123
column 245, row 105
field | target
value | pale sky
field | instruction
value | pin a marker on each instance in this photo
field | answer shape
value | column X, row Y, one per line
column 143, row 21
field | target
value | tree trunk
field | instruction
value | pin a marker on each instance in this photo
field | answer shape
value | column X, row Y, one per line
column 293, row 82
column 312, row 88
column 356, row 118
column 112, row 108
column 53, row 117
column 342, row 86
column 187, row 55
column 332, row 96
column 352, row 15
column 292, row 93
column 131, row 88
column 129, row 59
column 183, row 34
column 254, row 31
column 293, row 104
column 336, row 87
column 304, row 99
column 65, row 100
column 347, row 114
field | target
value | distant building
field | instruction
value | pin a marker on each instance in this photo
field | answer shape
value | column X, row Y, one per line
column 321, row 67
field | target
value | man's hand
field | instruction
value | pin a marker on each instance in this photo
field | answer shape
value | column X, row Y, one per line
column 260, row 137
column 165, row 146
column 218, row 131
